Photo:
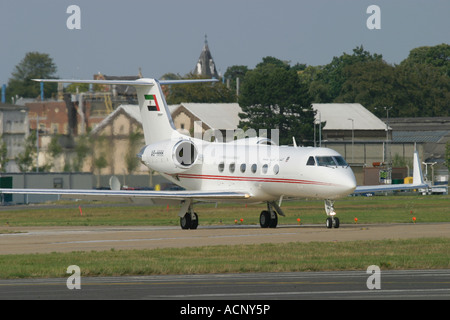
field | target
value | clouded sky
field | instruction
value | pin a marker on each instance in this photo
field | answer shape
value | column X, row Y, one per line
column 119, row 37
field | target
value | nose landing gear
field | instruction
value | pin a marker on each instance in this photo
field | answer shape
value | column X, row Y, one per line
column 332, row 221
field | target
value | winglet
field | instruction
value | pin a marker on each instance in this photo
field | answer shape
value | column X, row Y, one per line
column 417, row 170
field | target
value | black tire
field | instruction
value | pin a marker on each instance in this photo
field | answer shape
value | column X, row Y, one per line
column 264, row 219
column 336, row 222
column 273, row 222
column 329, row 223
column 194, row 223
column 185, row 222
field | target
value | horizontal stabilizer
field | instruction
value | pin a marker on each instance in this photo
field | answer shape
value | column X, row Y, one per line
column 138, row 82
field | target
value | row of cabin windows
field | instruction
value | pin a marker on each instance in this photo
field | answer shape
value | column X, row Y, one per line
column 253, row 168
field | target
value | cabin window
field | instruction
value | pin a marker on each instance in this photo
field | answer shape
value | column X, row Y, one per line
column 221, row 166
column 264, row 168
column 254, row 167
column 276, row 169
column 231, row 167
column 311, row 162
column 243, row 167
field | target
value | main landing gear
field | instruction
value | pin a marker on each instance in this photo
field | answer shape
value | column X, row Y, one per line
column 188, row 218
column 332, row 220
column 269, row 218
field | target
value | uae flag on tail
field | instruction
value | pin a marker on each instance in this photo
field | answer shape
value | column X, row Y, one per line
column 152, row 103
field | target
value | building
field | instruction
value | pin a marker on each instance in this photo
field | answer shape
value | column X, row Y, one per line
column 14, row 129
column 205, row 66
column 213, row 116
column 432, row 135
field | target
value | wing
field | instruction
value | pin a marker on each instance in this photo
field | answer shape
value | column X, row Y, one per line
column 418, row 182
column 131, row 195
column 388, row 187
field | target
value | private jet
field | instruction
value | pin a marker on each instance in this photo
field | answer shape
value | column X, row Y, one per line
column 247, row 170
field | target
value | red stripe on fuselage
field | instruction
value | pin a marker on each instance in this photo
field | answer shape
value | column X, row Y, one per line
column 251, row 179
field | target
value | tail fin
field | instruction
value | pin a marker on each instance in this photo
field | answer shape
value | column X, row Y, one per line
column 156, row 118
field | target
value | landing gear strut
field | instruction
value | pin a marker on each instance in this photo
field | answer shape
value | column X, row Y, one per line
column 332, row 220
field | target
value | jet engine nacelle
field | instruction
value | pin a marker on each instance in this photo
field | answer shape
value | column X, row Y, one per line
column 171, row 156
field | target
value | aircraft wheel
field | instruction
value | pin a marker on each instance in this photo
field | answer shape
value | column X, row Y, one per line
column 329, row 223
column 273, row 222
column 194, row 223
column 185, row 222
column 336, row 222
column 264, row 219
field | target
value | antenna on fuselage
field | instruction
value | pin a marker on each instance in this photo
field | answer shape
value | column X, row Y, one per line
column 295, row 142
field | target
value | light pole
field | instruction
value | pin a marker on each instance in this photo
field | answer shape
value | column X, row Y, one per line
column 353, row 135
column 314, row 123
column 37, row 142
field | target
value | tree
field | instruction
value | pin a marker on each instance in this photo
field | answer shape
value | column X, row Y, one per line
column 233, row 73
column 370, row 83
column 272, row 97
column 25, row 159
column 199, row 92
column 3, row 155
column 134, row 143
column 327, row 83
column 437, row 56
column 447, row 155
column 34, row 65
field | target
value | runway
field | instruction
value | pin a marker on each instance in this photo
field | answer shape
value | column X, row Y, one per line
column 239, row 289
column 67, row 239
column 428, row 284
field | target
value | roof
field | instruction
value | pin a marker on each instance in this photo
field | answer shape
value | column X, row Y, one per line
column 420, row 136
column 337, row 117
column 205, row 65
column 216, row 115
column 129, row 109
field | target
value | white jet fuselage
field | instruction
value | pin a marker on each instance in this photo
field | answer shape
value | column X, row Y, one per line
column 266, row 172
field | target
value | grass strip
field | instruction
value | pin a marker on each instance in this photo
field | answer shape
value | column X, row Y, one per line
column 380, row 209
column 427, row 253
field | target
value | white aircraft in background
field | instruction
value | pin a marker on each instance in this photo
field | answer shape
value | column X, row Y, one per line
column 245, row 170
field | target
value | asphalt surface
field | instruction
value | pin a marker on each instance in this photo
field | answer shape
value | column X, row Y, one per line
column 409, row 285
column 416, row 284
column 67, row 239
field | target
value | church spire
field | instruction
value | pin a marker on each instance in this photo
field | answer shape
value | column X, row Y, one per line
column 205, row 66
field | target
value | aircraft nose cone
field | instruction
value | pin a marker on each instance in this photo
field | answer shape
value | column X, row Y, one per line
column 348, row 182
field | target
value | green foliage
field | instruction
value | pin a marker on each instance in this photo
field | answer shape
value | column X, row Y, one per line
column 272, row 97
column 199, row 93
column 34, row 65
column 3, row 155
column 25, row 159
column 135, row 142
column 418, row 87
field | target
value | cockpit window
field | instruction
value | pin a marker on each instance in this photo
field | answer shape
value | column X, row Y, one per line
column 328, row 161
column 340, row 161
column 311, row 162
column 325, row 161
